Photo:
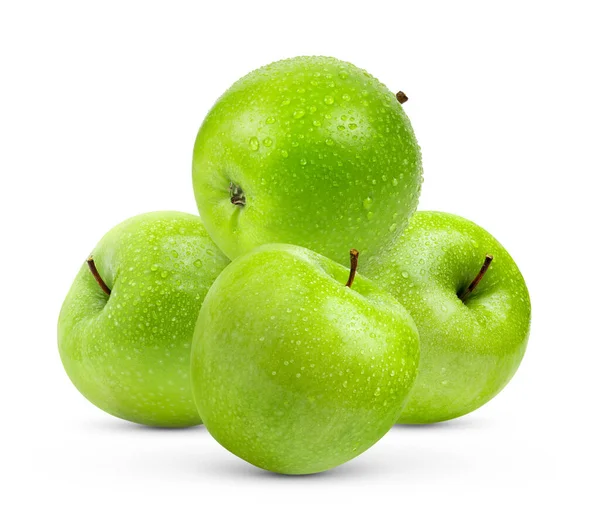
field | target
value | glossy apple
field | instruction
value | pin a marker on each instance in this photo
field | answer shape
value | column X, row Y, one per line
column 129, row 352
column 310, row 151
column 473, row 313
column 293, row 370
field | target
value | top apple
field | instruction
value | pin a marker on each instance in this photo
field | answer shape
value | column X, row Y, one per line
column 310, row 151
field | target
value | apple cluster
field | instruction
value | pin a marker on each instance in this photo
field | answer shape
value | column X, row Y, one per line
column 310, row 307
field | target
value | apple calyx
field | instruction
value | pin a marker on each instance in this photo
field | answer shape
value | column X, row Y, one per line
column 477, row 279
column 236, row 195
column 94, row 270
column 353, row 266
column 401, row 97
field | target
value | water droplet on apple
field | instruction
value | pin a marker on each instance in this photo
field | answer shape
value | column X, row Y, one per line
column 198, row 263
column 154, row 267
column 404, row 274
column 303, row 161
column 268, row 142
column 328, row 100
column 254, row 143
column 299, row 114
column 392, row 228
column 367, row 203
column 270, row 120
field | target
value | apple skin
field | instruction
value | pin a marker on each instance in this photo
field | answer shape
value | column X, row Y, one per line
column 323, row 152
column 470, row 350
column 129, row 354
column 293, row 371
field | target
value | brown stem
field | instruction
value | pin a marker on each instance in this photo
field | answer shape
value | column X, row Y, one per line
column 477, row 279
column 401, row 97
column 94, row 271
column 353, row 266
column 236, row 195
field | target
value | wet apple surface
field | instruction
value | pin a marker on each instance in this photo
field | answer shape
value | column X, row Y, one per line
column 471, row 306
column 311, row 151
column 125, row 328
column 296, row 367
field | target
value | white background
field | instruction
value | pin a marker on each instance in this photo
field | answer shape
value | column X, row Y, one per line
column 100, row 103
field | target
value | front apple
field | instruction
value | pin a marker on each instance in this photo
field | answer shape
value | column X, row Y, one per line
column 297, row 368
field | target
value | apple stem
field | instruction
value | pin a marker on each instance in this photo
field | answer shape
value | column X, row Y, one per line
column 477, row 279
column 353, row 267
column 236, row 194
column 401, row 97
column 94, row 271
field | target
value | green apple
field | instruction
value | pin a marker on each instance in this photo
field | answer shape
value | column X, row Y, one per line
column 471, row 305
column 296, row 367
column 309, row 151
column 125, row 329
